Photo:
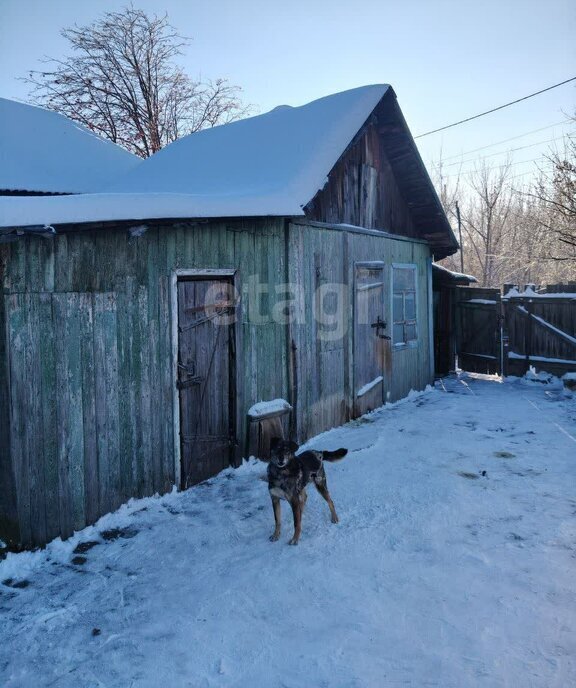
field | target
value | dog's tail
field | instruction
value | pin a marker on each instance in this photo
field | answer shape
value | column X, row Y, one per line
column 334, row 455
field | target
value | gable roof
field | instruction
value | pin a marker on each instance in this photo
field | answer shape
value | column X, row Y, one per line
column 284, row 155
column 269, row 165
column 42, row 151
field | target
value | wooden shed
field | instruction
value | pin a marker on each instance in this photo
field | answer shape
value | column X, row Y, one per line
column 286, row 256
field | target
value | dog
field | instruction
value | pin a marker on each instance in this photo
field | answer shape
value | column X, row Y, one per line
column 288, row 475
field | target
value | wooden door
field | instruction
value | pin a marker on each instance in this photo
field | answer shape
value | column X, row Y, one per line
column 205, row 377
column 371, row 342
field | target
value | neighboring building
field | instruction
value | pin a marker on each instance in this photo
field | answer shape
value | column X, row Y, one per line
column 45, row 153
column 115, row 380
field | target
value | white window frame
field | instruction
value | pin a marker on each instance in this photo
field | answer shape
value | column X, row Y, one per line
column 413, row 343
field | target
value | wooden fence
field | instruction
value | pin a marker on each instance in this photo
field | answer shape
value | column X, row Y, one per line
column 509, row 334
column 541, row 332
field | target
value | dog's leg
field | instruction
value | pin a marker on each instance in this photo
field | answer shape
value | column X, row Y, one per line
column 277, row 518
column 322, row 488
column 297, row 506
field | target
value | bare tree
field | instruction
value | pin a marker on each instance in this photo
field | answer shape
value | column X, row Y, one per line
column 122, row 82
column 510, row 233
column 485, row 221
column 556, row 192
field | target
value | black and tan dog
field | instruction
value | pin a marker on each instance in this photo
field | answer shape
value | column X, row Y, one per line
column 288, row 475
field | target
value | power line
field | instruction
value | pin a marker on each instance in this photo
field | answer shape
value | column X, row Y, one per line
column 504, row 152
column 522, row 174
column 512, row 138
column 500, row 107
column 495, row 167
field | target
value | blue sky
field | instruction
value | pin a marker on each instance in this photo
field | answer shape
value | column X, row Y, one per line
column 445, row 59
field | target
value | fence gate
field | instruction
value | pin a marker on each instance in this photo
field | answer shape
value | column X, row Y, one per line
column 478, row 329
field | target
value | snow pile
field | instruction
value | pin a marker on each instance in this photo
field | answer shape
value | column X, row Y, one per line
column 44, row 151
column 264, row 408
column 452, row 565
column 368, row 386
column 541, row 377
column 530, row 293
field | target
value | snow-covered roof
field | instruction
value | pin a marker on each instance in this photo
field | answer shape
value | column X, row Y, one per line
column 450, row 275
column 271, row 164
column 284, row 155
column 44, row 152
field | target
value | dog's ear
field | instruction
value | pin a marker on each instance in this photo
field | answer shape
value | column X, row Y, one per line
column 292, row 446
column 274, row 442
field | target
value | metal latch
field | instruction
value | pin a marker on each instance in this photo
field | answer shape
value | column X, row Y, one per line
column 380, row 325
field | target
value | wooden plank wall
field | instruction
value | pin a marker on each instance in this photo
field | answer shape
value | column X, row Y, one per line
column 8, row 507
column 88, row 327
column 90, row 358
column 324, row 368
column 362, row 189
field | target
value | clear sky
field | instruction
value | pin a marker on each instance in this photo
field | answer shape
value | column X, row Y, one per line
column 446, row 59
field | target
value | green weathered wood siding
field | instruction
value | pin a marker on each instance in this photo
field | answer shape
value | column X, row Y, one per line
column 89, row 358
column 8, row 508
column 325, row 369
column 87, row 415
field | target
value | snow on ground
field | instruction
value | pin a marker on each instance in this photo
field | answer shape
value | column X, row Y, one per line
column 453, row 565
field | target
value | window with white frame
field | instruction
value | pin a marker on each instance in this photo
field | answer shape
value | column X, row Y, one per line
column 404, row 330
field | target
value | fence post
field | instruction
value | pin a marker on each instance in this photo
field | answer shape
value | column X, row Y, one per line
column 504, row 339
column 528, row 333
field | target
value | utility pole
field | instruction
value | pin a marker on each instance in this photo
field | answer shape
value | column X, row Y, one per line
column 460, row 237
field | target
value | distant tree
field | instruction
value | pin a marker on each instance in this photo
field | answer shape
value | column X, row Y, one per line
column 487, row 220
column 512, row 233
column 122, row 82
column 556, row 192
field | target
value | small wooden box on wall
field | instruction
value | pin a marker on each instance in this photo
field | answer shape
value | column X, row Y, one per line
column 265, row 424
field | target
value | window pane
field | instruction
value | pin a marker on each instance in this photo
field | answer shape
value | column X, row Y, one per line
column 398, row 333
column 404, row 279
column 410, row 332
column 410, row 305
column 398, row 311
column 369, row 274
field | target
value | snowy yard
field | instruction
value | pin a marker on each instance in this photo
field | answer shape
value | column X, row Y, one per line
column 454, row 565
